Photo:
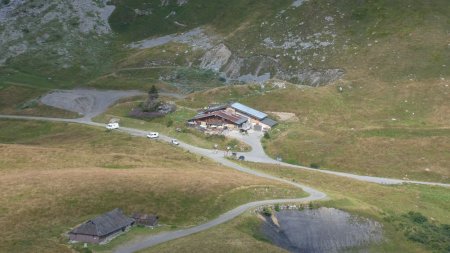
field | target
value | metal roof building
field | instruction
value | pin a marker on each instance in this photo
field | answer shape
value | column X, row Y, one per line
column 269, row 122
column 248, row 110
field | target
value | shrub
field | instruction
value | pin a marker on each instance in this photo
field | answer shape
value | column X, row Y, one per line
column 311, row 205
column 314, row 165
column 416, row 227
column 169, row 123
column 266, row 135
column 266, row 211
column 277, row 207
column 417, row 217
column 139, row 113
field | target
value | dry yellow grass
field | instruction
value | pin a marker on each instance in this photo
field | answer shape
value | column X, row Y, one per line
column 373, row 127
column 55, row 176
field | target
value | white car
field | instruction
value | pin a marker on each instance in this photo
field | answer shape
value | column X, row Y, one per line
column 112, row 126
column 175, row 142
column 153, row 135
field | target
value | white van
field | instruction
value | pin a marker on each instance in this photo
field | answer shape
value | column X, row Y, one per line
column 112, row 126
column 153, row 135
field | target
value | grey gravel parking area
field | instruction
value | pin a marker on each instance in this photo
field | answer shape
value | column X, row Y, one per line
column 87, row 102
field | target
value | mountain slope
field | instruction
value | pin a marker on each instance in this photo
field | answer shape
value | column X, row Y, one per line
column 303, row 42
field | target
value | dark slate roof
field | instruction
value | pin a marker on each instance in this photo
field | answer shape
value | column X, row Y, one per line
column 236, row 119
column 268, row 121
column 104, row 224
column 249, row 111
column 215, row 108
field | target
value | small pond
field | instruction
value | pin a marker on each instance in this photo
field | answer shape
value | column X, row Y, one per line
column 321, row 230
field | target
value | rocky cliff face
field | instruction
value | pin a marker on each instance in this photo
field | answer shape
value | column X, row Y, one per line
column 51, row 26
column 261, row 68
column 76, row 34
column 216, row 58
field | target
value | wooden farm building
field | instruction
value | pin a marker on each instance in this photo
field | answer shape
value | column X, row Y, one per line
column 148, row 220
column 232, row 116
column 102, row 227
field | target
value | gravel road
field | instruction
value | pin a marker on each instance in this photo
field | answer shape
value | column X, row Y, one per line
column 257, row 154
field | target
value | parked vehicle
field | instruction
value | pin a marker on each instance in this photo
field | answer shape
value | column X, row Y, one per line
column 241, row 158
column 175, row 142
column 153, row 135
column 112, row 126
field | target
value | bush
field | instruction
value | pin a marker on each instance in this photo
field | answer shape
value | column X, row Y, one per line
column 311, row 205
column 139, row 113
column 416, row 227
column 314, row 165
column 266, row 135
column 266, row 211
column 169, row 123
column 417, row 217
column 277, row 208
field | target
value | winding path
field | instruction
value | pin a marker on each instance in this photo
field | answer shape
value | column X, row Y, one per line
column 257, row 154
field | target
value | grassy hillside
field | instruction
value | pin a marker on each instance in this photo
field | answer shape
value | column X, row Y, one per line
column 388, row 115
column 55, row 176
column 24, row 100
column 386, row 204
column 223, row 15
column 399, row 131
column 377, row 40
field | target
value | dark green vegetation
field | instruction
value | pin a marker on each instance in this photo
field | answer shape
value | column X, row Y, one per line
column 223, row 15
column 418, row 228
column 55, row 176
column 388, row 40
column 407, row 212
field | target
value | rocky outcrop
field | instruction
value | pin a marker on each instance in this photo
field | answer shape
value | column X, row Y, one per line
column 50, row 25
column 259, row 69
column 215, row 58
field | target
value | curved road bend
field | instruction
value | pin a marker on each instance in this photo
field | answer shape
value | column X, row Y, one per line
column 218, row 157
column 152, row 240
column 256, row 155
